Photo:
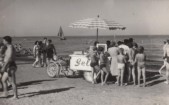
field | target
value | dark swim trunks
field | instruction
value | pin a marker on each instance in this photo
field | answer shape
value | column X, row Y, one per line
column 93, row 64
column 11, row 67
column 102, row 66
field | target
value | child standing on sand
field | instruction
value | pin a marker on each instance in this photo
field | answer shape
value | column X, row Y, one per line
column 140, row 60
column 121, row 60
column 103, row 62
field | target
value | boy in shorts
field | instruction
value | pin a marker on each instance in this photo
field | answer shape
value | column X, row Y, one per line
column 103, row 62
column 140, row 60
column 121, row 60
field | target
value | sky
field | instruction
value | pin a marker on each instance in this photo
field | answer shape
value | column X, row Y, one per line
column 44, row 17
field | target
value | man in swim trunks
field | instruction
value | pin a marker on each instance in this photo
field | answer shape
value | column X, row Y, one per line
column 140, row 60
column 9, row 68
column 121, row 60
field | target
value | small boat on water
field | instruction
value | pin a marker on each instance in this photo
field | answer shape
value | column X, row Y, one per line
column 61, row 34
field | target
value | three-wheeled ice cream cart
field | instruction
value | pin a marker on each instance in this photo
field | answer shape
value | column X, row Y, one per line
column 78, row 62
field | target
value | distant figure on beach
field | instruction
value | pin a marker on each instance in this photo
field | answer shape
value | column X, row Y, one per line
column 103, row 57
column 50, row 50
column 113, row 52
column 140, row 61
column 44, row 54
column 121, row 60
column 166, row 56
column 9, row 68
column 36, row 53
column 165, row 60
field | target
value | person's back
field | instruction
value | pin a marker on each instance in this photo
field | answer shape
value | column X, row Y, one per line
column 113, row 51
column 141, row 60
column 120, row 58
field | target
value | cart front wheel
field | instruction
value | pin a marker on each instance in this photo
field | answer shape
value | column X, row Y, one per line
column 53, row 69
column 88, row 76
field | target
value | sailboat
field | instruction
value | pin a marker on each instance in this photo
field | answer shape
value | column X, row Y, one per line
column 60, row 34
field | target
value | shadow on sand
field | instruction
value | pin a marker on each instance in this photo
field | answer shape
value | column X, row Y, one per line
column 44, row 92
column 34, row 82
column 153, row 78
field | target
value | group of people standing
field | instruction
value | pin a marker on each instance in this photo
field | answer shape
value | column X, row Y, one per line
column 43, row 51
column 125, row 58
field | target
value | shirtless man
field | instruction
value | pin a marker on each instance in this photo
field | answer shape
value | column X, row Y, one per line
column 140, row 60
column 9, row 68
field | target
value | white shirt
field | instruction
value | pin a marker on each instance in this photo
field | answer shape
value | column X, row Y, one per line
column 126, row 48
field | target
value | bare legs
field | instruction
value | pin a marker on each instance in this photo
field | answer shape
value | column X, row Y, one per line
column 133, row 75
column 141, row 71
column 36, row 62
column 120, row 76
column 104, row 80
column 167, row 74
column 12, row 79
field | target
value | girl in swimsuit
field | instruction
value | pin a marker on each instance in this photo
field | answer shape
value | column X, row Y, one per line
column 140, row 60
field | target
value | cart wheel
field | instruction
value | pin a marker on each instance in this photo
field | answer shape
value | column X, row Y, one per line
column 53, row 69
column 88, row 76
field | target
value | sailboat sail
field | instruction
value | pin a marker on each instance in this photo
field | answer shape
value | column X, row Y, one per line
column 61, row 34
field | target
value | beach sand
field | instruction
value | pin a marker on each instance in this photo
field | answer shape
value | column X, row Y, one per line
column 36, row 88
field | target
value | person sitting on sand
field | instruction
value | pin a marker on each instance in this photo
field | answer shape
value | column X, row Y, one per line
column 165, row 60
column 140, row 60
column 94, row 63
column 50, row 50
column 121, row 60
column 9, row 68
column 103, row 61
column 36, row 54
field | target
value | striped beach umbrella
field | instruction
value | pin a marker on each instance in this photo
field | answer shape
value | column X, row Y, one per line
column 97, row 23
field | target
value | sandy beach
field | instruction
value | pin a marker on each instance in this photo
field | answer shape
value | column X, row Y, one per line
column 36, row 88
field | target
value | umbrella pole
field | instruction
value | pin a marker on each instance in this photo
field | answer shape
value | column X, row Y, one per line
column 97, row 34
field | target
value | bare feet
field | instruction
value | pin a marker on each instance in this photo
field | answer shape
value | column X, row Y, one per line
column 14, row 98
